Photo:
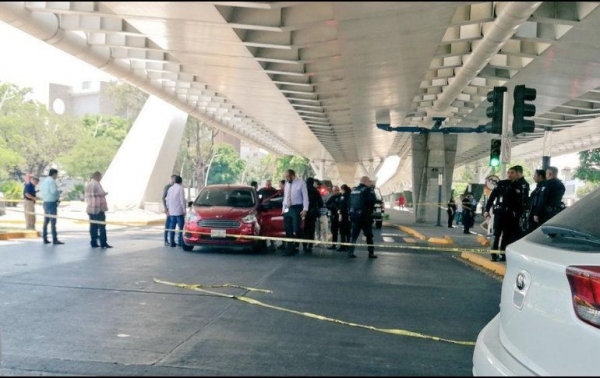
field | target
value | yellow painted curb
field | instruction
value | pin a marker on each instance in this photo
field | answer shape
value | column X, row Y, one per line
column 412, row 232
column 483, row 240
column 445, row 240
column 485, row 262
column 19, row 235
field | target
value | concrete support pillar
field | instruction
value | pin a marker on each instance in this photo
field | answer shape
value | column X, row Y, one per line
column 431, row 154
column 318, row 168
column 142, row 166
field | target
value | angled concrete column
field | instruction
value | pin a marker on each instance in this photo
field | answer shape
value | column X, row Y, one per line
column 431, row 154
column 144, row 162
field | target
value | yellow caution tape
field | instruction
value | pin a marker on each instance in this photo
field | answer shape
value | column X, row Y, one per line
column 398, row 332
column 284, row 239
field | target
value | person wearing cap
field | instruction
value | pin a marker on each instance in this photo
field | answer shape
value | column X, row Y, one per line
column 29, row 195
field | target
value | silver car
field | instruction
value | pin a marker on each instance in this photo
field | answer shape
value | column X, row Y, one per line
column 549, row 320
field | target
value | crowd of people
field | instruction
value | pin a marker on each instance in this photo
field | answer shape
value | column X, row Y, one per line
column 310, row 211
column 511, row 211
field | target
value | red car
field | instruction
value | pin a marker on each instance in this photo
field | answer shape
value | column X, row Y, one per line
column 221, row 213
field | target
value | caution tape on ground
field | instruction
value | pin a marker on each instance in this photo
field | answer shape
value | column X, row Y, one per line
column 398, row 332
column 282, row 239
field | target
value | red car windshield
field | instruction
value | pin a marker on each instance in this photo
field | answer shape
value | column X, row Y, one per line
column 225, row 197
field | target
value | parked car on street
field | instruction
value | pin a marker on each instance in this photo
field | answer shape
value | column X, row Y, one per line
column 221, row 213
column 549, row 319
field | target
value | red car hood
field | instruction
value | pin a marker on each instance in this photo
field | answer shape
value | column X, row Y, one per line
column 224, row 212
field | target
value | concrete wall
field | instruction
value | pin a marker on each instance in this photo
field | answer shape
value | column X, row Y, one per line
column 142, row 166
column 432, row 154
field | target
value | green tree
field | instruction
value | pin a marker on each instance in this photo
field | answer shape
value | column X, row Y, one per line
column 32, row 137
column 128, row 99
column 98, row 125
column 226, row 166
column 195, row 152
column 299, row 164
column 589, row 166
column 586, row 189
column 89, row 155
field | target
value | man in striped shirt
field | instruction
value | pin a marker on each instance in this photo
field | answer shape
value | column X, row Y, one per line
column 95, row 196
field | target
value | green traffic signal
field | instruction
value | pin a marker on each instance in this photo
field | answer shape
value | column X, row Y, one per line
column 495, row 149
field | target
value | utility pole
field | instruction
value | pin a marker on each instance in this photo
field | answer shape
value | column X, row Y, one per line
column 547, row 147
column 505, row 139
column 439, row 213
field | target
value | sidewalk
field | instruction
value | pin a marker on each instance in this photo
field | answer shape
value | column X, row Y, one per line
column 73, row 218
column 443, row 237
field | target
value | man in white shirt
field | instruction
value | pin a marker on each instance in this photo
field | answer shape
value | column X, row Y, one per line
column 295, row 207
column 51, row 196
column 176, row 208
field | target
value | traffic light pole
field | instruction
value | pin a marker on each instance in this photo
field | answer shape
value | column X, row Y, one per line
column 547, row 148
column 504, row 134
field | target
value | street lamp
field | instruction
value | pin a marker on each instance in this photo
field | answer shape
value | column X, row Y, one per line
column 208, row 169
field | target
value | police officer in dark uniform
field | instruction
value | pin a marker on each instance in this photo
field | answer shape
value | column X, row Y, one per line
column 521, row 187
column 552, row 195
column 535, row 204
column 505, row 201
column 345, row 225
column 362, row 202
column 333, row 204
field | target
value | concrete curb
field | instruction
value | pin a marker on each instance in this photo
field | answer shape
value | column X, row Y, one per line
column 484, row 262
column 445, row 240
column 408, row 230
column 25, row 234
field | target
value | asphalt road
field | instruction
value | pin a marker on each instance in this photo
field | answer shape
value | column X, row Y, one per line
column 73, row 310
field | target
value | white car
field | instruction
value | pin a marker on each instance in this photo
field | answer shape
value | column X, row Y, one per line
column 549, row 320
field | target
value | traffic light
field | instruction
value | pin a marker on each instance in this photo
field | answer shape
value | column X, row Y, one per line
column 495, row 149
column 521, row 110
column 496, row 97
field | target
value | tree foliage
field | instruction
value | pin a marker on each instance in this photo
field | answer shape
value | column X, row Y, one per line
column 589, row 166
column 32, row 137
column 299, row 164
column 89, row 155
column 586, row 189
column 226, row 165
column 195, row 152
column 128, row 99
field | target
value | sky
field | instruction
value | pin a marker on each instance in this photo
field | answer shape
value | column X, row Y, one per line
column 35, row 64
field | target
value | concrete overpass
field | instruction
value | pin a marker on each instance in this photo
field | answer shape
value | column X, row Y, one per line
column 314, row 78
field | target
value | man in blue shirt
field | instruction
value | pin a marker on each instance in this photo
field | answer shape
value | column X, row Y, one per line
column 50, row 195
column 295, row 207
column 29, row 206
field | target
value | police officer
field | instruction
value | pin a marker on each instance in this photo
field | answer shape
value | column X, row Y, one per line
column 333, row 204
column 535, row 204
column 345, row 225
column 362, row 202
column 505, row 201
column 552, row 195
column 521, row 187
